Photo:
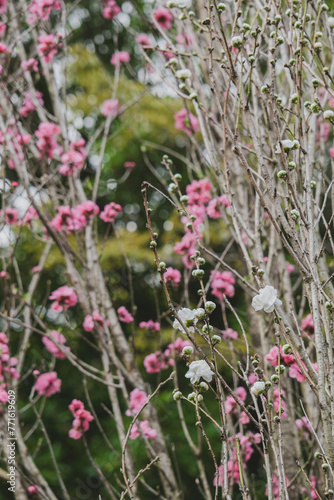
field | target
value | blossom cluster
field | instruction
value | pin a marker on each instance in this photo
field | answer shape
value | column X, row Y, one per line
column 81, row 421
column 157, row 361
column 7, row 367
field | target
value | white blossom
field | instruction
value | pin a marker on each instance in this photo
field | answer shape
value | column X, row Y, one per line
column 288, row 144
column 330, row 22
column 258, row 388
column 266, row 299
column 183, row 74
column 198, row 369
column 199, row 313
column 328, row 114
column 188, row 317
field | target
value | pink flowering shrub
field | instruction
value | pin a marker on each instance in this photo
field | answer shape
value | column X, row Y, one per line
column 48, row 47
column 145, row 430
column 163, row 17
column 120, row 57
column 110, row 212
column 64, row 297
column 48, row 384
column 81, row 421
column 186, row 121
column 52, row 347
column 110, row 107
column 124, row 315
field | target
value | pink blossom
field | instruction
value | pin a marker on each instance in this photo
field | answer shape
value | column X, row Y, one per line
column 91, row 320
column 29, row 216
column 48, row 384
column 295, row 372
column 323, row 129
column 213, row 209
column 172, row 277
column 129, row 164
column 64, row 298
column 11, row 216
column 307, row 324
column 186, row 247
column 33, row 489
column 314, row 483
column 144, row 39
column 163, row 17
column 48, row 46
column 52, row 347
column 3, row 6
column 4, row 275
column 46, row 134
column 289, row 267
column 72, row 161
column 41, row 9
column 276, row 488
column 124, row 315
column 110, row 107
column 137, row 400
column 331, row 152
column 304, row 428
column 28, row 104
column 68, row 219
column 155, row 362
column 110, row 9
column 120, row 57
column 231, row 405
column 272, row 357
column 229, row 334
column 145, row 430
column 150, row 325
column 3, row 394
column 87, row 209
column 81, row 420
column 3, row 48
column 244, row 418
column 252, row 378
column 175, row 349
column 222, row 284
column 110, row 212
column 36, row 269
column 30, row 65
column 276, row 394
column 186, row 121
column 199, row 192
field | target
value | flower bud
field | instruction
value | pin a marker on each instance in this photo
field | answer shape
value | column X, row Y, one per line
column 282, row 174
column 210, row 306
column 203, row 386
column 187, row 350
column 216, row 339
column 274, row 379
column 184, row 198
column 286, row 349
column 236, row 41
column 177, row 395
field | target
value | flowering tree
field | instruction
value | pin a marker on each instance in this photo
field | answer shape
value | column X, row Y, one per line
column 237, row 217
